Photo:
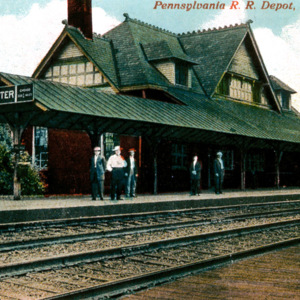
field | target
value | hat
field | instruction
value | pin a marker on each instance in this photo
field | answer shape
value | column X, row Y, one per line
column 131, row 150
column 97, row 148
column 219, row 153
column 117, row 148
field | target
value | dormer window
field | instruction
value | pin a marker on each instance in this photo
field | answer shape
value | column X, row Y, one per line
column 240, row 89
column 285, row 99
column 181, row 74
column 283, row 92
column 244, row 89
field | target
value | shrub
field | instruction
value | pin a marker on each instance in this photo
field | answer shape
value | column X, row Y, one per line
column 29, row 177
column 6, row 171
column 31, row 183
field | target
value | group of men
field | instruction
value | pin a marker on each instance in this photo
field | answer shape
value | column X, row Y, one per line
column 125, row 172
column 195, row 173
column 122, row 172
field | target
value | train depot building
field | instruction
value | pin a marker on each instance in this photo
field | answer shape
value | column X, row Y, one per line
column 167, row 95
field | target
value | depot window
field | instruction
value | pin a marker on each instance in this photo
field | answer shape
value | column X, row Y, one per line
column 40, row 147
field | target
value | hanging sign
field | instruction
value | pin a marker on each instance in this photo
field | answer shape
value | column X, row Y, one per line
column 24, row 92
column 18, row 93
column 7, row 94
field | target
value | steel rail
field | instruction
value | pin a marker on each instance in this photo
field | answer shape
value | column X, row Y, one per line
column 92, row 256
column 18, row 245
column 127, row 285
column 82, row 220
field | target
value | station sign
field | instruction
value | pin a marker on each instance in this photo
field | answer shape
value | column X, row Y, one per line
column 18, row 93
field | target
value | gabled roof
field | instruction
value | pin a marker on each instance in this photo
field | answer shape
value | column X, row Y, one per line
column 213, row 50
column 124, row 54
column 99, row 51
column 279, row 85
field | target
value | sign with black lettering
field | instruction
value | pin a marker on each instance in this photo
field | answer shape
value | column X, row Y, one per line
column 19, row 93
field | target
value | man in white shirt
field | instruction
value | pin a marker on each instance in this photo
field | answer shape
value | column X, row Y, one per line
column 131, row 174
column 219, row 172
column 116, row 164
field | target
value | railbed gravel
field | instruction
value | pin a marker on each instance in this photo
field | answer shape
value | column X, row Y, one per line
column 38, row 285
column 18, row 256
column 102, row 226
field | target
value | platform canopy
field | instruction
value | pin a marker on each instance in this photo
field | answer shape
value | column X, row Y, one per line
column 193, row 118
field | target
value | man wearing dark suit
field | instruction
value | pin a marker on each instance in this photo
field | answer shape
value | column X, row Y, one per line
column 131, row 174
column 97, row 173
column 219, row 172
column 195, row 172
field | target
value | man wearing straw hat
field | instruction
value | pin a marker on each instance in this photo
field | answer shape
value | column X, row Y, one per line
column 116, row 164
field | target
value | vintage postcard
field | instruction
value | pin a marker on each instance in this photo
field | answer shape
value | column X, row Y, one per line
column 121, row 121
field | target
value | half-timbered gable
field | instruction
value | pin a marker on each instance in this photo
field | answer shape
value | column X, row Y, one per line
column 70, row 61
column 230, row 66
column 69, row 65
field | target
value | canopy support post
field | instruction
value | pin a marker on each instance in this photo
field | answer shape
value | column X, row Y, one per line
column 17, row 127
column 154, row 144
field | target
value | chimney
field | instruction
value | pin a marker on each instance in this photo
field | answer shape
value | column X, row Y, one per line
column 80, row 16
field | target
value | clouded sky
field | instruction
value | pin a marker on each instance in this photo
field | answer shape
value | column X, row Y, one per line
column 30, row 27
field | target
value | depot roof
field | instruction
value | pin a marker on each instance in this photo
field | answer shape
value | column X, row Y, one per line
column 60, row 105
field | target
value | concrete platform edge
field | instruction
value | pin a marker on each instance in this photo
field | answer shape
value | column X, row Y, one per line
column 108, row 208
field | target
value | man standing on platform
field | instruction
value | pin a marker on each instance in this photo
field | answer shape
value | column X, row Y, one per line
column 219, row 173
column 195, row 172
column 97, row 173
column 131, row 173
column 116, row 164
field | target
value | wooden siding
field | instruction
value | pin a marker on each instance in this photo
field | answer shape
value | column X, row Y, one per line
column 243, row 63
column 167, row 69
column 70, row 50
column 72, row 67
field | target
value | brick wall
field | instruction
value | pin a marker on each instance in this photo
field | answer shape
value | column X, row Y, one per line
column 69, row 159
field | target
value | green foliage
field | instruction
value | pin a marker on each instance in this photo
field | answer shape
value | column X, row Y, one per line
column 31, row 183
column 6, row 171
column 5, row 136
column 29, row 177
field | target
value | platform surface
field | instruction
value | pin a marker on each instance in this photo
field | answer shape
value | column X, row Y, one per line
column 274, row 275
column 58, row 207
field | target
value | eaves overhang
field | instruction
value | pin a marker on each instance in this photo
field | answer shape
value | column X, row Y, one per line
column 57, row 105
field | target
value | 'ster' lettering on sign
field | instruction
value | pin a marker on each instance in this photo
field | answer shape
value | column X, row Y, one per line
column 7, row 94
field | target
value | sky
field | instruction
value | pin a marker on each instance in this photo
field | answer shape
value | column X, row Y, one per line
column 28, row 28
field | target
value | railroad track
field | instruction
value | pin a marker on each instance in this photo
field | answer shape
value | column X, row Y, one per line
column 113, row 272
column 30, row 234
column 121, row 260
column 26, row 250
